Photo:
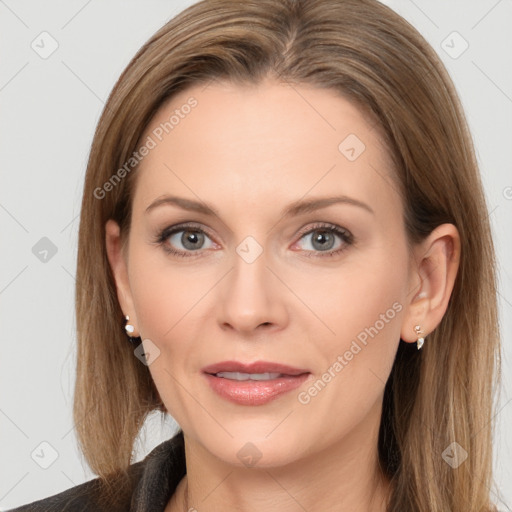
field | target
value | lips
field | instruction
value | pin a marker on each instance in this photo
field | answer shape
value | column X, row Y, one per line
column 256, row 367
column 253, row 383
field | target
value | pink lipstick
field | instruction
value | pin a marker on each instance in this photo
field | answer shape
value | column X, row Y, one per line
column 255, row 383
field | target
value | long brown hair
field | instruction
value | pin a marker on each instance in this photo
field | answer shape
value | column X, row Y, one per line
column 364, row 50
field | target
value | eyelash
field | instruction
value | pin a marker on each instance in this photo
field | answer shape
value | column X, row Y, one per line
column 346, row 237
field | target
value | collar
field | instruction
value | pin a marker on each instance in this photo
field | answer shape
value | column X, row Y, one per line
column 162, row 470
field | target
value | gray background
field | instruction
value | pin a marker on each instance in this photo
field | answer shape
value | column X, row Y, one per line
column 49, row 109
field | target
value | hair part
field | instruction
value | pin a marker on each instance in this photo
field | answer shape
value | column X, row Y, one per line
column 370, row 55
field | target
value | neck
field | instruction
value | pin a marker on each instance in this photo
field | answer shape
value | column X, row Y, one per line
column 344, row 476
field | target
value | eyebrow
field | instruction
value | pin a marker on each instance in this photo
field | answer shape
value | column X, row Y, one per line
column 295, row 208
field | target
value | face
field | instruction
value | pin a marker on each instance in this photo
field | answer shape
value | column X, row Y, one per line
column 284, row 243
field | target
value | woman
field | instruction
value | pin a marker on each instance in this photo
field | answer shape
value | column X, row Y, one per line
column 284, row 244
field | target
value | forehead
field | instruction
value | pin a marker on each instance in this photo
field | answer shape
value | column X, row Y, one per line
column 247, row 141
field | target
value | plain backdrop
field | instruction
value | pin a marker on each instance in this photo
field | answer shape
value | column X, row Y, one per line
column 50, row 105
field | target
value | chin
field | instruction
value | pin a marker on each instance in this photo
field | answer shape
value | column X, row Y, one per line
column 256, row 443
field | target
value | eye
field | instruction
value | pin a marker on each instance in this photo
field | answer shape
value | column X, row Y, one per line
column 328, row 239
column 319, row 240
column 183, row 240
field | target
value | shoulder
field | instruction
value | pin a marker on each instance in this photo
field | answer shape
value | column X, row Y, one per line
column 81, row 498
column 149, row 482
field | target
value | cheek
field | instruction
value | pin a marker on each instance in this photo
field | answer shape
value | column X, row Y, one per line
column 168, row 301
column 365, row 292
column 364, row 311
column 164, row 293
column 361, row 306
column 371, row 309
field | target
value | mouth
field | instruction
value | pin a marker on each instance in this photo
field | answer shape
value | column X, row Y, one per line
column 255, row 383
column 249, row 376
column 256, row 368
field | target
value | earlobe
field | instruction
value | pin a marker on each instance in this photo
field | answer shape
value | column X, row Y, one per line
column 436, row 265
column 119, row 270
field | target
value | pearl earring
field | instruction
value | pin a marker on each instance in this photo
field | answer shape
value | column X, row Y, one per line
column 421, row 339
column 128, row 327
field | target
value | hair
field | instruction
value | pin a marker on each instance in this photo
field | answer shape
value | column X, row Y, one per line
column 376, row 59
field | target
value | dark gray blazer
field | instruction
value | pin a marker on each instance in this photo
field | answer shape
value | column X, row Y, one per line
column 152, row 483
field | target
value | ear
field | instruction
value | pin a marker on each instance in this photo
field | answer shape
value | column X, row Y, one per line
column 433, row 272
column 118, row 264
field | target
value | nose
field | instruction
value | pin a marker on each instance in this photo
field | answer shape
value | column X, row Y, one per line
column 251, row 298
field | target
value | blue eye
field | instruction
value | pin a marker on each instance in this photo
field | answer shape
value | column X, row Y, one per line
column 191, row 240
column 327, row 239
column 319, row 241
column 180, row 240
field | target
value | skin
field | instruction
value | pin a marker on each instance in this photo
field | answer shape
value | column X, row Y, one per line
column 249, row 152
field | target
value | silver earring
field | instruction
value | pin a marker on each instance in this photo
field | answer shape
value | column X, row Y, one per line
column 421, row 339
